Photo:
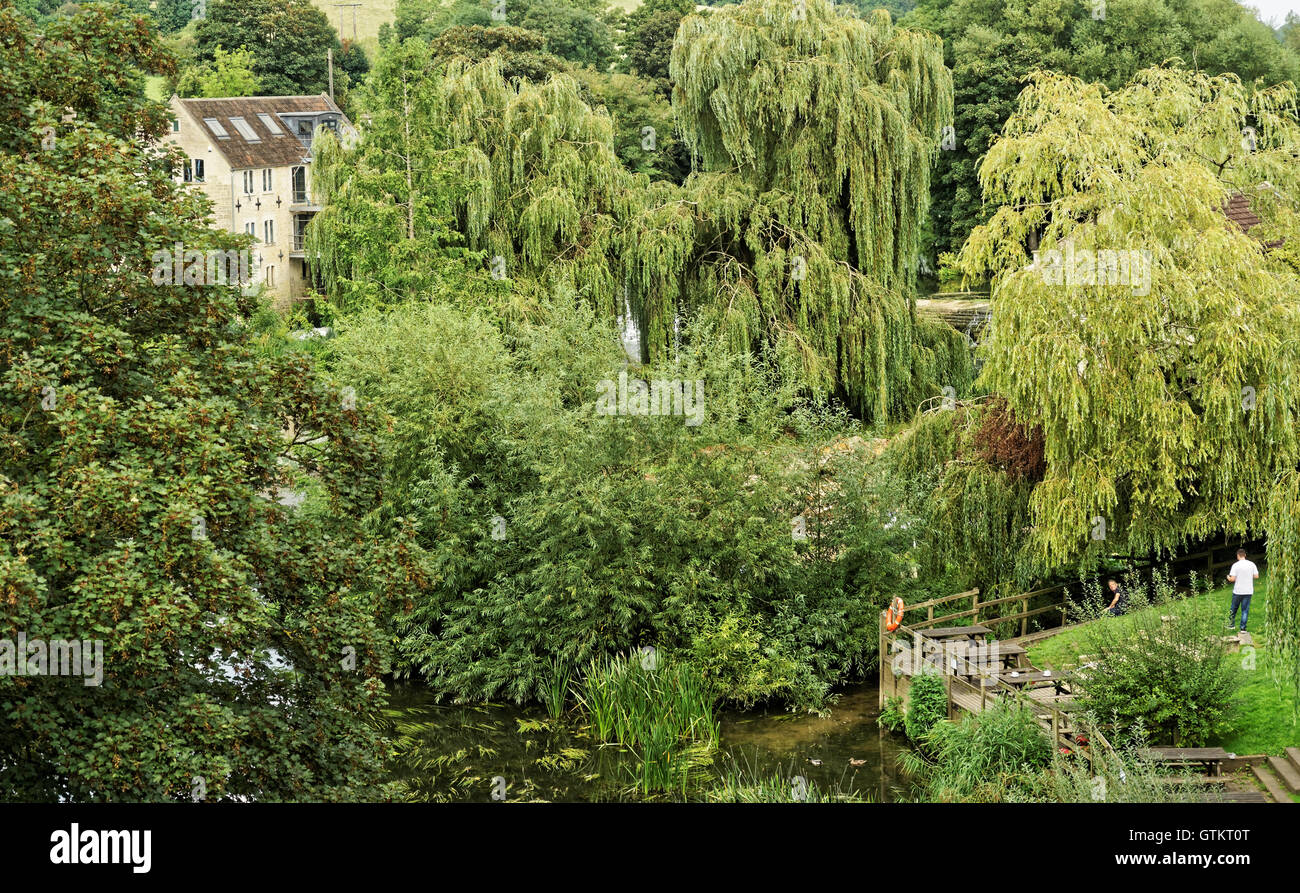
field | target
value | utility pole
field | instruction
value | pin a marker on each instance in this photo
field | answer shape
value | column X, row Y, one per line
column 329, row 61
column 339, row 7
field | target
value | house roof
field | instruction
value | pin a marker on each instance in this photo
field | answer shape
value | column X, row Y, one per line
column 265, row 149
column 1238, row 211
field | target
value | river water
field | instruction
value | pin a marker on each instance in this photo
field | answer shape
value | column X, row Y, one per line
column 469, row 753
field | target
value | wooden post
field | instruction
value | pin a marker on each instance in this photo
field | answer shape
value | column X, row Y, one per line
column 947, row 684
column 884, row 663
column 1024, row 621
column 329, row 61
column 930, row 613
column 975, row 619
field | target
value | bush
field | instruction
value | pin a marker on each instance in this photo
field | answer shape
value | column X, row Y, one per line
column 1169, row 675
column 892, row 717
column 986, row 757
column 557, row 533
column 927, row 705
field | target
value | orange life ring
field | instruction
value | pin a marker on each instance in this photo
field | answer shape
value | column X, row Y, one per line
column 894, row 616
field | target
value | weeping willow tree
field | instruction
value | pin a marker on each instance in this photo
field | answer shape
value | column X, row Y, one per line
column 1163, row 376
column 460, row 169
column 544, row 189
column 796, row 240
column 798, row 235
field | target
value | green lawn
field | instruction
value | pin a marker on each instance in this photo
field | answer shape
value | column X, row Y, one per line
column 373, row 13
column 369, row 16
column 154, row 85
column 1263, row 710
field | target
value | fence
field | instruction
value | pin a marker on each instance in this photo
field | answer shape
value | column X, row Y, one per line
column 1204, row 563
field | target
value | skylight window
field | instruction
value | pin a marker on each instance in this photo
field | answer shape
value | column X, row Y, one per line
column 245, row 130
column 269, row 123
column 215, row 126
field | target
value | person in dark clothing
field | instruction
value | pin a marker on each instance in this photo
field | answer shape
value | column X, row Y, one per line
column 1118, row 598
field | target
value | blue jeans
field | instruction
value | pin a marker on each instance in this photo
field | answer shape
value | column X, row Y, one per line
column 1242, row 601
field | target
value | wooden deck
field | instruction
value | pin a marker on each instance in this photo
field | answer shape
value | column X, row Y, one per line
column 978, row 673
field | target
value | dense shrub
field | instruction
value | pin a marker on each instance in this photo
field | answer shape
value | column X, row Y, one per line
column 984, row 757
column 927, row 704
column 1167, row 673
column 617, row 532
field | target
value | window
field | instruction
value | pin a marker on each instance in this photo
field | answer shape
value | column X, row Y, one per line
column 251, row 228
column 215, row 126
column 245, row 130
column 266, row 179
column 269, row 123
column 198, row 170
column 268, row 232
column 270, row 276
column 300, row 185
column 248, row 182
column 176, row 125
column 189, row 176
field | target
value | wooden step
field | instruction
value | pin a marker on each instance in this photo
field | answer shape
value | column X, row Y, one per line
column 1235, row 797
column 1289, row 774
column 1270, row 783
column 1293, row 754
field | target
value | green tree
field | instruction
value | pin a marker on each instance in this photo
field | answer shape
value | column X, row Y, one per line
column 572, row 32
column 521, row 53
column 1162, row 387
column 387, row 232
column 230, row 74
column 651, row 29
column 143, row 443
column 288, row 39
column 993, row 45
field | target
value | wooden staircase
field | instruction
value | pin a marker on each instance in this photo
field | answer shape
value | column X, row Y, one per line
column 1280, row 776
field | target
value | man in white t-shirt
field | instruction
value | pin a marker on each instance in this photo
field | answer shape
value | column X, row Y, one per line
column 1242, row 576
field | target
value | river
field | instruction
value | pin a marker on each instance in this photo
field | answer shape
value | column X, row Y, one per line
column 469, row 753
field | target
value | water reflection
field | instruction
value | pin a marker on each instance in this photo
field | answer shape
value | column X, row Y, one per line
column 453, row 753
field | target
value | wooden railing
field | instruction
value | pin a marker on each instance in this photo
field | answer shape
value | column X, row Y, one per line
column 976, row 614
column 956, row 667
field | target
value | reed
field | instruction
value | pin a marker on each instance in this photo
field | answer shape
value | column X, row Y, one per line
column 555, row 689
column 663, row 714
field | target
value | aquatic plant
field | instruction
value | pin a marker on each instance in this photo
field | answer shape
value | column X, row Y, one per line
column 892, row 717
column 744, row 783
column 927, row 704
column 663, row 714
column 555, row 690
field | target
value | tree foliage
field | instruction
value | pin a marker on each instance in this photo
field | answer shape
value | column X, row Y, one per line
column 142, row 440
column 288, row 40
column 230, row 74
column 796, row 239
column 993, row 45
column 1166, row 399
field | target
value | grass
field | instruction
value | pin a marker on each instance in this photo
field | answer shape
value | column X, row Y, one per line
column 155, row 87
column 1263, row 711
column 369, row 16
